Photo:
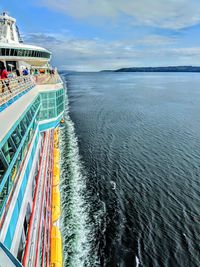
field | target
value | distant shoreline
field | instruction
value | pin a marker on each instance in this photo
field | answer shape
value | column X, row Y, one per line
column 157, row 69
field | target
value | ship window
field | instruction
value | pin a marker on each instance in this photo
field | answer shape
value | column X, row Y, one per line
column 16, row 137
column 8, row 151
column 15, row 52
column 20, row 53
column 3, row 51
column 25, row 122
column 3, row 194
column 23, row 53
column 7, row 51
column 12, row 147
column 51, row 95
column 22, row 128
column 29, row 115
column 52, row 113
column 2, row 169
column 21, row 247
column 32, row 111
column 12, row 52
column 51, row 103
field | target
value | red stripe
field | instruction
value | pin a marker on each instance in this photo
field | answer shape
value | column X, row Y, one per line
column 33, row 209
column 42, row 204
column 40, row 219
column 46, row 247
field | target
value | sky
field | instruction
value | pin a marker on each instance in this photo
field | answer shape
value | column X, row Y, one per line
column 91, row 35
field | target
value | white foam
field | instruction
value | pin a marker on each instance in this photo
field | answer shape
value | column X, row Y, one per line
column 137, row 261
column 113, row 185
column 77, row 232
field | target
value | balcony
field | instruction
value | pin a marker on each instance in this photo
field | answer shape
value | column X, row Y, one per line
column 12, row 89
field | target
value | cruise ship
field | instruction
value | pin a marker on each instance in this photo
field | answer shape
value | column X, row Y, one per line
column 32, row 102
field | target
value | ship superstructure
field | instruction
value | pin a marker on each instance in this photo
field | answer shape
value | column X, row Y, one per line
column 31, row 108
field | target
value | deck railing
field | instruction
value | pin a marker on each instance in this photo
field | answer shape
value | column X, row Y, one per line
column 10, row 88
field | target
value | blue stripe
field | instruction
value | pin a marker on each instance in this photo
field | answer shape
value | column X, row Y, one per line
column 10, row 256
column 15, row 98
column 15, row 215
column 49, row 125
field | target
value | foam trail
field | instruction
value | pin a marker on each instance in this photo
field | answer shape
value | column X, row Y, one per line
column 75, row 223
column 137, row 261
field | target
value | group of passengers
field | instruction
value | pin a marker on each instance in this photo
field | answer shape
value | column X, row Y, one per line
column 5, row 76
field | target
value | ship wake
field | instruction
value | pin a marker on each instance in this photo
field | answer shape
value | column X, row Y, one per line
column 77, row 229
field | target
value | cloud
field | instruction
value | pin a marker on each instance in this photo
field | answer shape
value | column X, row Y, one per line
column 156, row 40
column 96, row 54
column 41, row 38
column 170, row 14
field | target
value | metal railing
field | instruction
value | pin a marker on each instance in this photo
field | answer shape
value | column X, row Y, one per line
column 9, row 88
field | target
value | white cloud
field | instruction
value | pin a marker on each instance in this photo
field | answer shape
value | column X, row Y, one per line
column 96, row 54
column 171, row 14
column 156, row 40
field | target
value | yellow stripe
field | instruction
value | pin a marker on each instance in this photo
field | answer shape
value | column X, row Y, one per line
column 55, row 204
column 56, row 247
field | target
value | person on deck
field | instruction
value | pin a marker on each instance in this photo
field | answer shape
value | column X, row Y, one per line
column 25, row 71
column 4, row 78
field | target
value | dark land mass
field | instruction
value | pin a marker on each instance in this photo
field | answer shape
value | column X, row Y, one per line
column 159, row 69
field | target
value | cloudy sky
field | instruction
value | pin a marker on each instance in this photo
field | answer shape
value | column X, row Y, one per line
column 89, row 35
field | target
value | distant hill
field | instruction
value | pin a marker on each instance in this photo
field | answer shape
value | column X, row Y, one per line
column 160, row 69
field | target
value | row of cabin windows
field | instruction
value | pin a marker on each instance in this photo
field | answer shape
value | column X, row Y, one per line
column 52, row 104
column 15, row 170
column 23, row 53
column 10, row 147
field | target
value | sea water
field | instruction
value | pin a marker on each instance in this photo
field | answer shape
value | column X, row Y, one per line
column 131, row 170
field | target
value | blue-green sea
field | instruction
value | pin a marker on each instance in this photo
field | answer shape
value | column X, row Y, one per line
column 131, row 170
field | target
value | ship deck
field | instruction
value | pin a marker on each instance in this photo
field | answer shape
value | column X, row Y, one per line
column 15, row 106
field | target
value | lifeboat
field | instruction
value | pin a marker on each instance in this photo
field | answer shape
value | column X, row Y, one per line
column 56, row 247
column 56, row 175
column 56, row 154
column 55, row 204
column 56, row 134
